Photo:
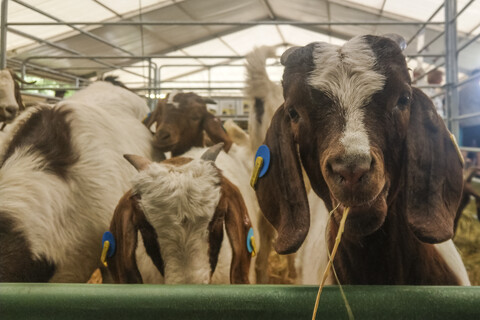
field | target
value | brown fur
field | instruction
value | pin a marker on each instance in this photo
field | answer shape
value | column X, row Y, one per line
column 48, row 132
column 128, row 218
column 179, row 129
column 17, row 263
column 415, row 171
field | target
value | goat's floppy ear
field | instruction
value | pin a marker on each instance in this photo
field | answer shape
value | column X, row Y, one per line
column 281, row 191
column 434, row 173
column 216, row 133
column 155, row 116
column 237, row 225
column 123, row 265
column 127, row 220
column 140, row 163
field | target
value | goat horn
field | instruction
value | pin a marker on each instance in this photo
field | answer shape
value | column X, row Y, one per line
column 212, row 152
column 140, row 163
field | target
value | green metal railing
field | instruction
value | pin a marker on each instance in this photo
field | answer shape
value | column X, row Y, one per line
column 86, row 301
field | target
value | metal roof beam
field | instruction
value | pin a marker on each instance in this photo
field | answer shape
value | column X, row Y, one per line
column 86, row 33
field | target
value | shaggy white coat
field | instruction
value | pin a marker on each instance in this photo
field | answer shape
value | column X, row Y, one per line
column 63, row 220
column 192, row 244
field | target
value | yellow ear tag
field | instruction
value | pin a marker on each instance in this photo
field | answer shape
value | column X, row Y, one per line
column 254, row 246
column 256, row 171
column 103, row 258
column 459, row 153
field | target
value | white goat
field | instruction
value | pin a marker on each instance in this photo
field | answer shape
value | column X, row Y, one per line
column 61, row 175
column 192, row 220
column 264, row 93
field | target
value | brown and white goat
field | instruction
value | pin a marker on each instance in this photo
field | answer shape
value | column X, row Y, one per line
column 369, row 141
column 61, row 175
column 181, row 118
column 192, row 221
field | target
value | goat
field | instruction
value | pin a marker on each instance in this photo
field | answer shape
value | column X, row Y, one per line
column 371, row 142
column 180, row 121
column 264, row 93
column 11, row 102
column 60, row 179
column 192, row 220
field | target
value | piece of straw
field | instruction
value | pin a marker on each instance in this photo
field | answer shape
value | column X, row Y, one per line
column 330, row 260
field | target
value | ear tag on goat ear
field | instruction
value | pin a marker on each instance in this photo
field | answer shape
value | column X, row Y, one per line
column 262, row 162
column 251, row 247
column 459, row 153
column 108, row 244
column 144, row 121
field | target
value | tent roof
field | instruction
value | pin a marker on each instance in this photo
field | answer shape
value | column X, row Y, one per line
column 235, row 39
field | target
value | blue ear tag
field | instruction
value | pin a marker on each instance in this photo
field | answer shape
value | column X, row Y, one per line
column 144, row 121
column 263, row 152
column 108, row 247
column 262, row 162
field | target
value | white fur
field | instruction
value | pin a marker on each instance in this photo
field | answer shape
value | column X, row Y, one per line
column 449, row 253
column 179, row 202
column 63, row 220
column 312, row 257
column 113, row 99
column 346, row 75
column 170, row 98
column 259, row 85
column 7, row 93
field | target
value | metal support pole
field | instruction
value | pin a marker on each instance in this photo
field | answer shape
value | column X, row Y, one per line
column 451, row 67
column 3, row 35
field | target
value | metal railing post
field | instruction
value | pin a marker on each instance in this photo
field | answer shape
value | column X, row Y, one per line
column 3, row 35
column 451, row 66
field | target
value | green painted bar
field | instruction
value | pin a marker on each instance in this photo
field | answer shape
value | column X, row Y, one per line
column 86, row 301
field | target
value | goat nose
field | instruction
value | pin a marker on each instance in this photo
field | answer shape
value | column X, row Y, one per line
column 10, row 110
column 351, row 173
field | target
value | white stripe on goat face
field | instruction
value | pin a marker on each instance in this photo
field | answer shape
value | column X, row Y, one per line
column 179, row 202
column 346, row 75
column 7, row 91
column 171, row 97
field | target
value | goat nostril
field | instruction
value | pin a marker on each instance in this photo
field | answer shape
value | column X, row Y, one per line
column 349, row 175
column 11, row 110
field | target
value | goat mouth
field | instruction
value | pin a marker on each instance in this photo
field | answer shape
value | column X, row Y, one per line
column 364, row 218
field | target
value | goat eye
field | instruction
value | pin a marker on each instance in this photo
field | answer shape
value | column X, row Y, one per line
column 403, row 102
column 293, row 114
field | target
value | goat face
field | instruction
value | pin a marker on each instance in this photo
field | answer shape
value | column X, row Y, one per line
column 180, row 120
column 8, row 100
column 181, row 207
column 363, row 135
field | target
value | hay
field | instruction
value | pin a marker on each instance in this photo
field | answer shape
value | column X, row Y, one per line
column 467, row 240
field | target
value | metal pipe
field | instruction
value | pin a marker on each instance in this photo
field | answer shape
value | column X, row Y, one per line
column 469, row 42
column 139, row 88
column 130, row 301
column 466, row 116
column 3, row 35
column 225, row 23
column 451, row 67
column 79, row 55
column 86, row 33
column 425, row 23
column 134, row 57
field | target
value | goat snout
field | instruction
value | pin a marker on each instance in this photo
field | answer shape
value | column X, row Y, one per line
column 8, row 112
column 350, row 172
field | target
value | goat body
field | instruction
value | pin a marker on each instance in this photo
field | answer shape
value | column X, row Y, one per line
column 61, row 175
column 368, row 141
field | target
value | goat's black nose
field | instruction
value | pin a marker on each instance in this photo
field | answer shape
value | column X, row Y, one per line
column 351, row 173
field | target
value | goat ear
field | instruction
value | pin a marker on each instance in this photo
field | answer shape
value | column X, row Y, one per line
column 434, row 178
column 216, row 133
column 281, row 191
column 140, row 163
column 237, row 225
column 155, row 116
column 209, row 101
column 123, row 265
